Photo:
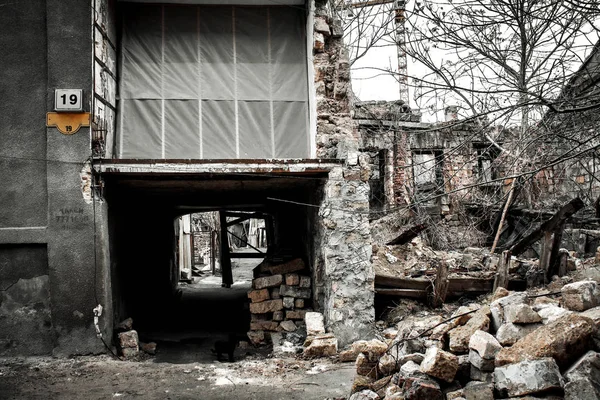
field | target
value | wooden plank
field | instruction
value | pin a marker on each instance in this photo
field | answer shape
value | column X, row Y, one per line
column 247, row 255
column 554, row 262
column 565, row 212
column 226, row 272
column 470, row 285
column 400, row 283
column 440, row 285
column 410, row 293
column 407, row 235
column 501, row 279
column 546, row 248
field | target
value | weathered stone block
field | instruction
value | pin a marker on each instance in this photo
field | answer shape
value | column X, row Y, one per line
column 364, row 395
column 580, row 296
column 583, row 378
column 266, row 306
column 294, row 291
column 565, row 339
column 322, row 26
column 314, row 323
column 275, row 293
column 288, row 326
column 296, row 314
column 278, row 315
column 267, row 281
column 286, row 268
column 528, row 377
column 521, row 314
column 552, row 313
column 125, row 325
column 322, row 346
column 373, row 349
column 387, row 365
column 292, row 279
column 149, row 348
column 288, row 302
column 478, row 391
column 439, row 364
column 419, row 389
column 256, row 337
column 485, row 365
column 304, row 282
column 460, row 336
column 366, row 367
column 128, row 339
column 509, row 334
column 497, row 307
column 257, row 296
column 299, row 303
column 481, row 376
column 264, row 325
column 484, row 344
column 361, row 383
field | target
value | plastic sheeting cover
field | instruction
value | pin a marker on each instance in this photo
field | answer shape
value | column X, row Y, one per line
column 206, row 82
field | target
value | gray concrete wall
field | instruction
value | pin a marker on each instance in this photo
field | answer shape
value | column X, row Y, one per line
column 50, row 279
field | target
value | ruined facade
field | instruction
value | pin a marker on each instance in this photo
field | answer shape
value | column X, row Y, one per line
column 73, row 206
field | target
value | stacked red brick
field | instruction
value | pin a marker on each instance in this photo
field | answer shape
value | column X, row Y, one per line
column 279, row 299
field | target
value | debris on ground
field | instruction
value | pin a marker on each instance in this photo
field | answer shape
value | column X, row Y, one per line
column 509, row 344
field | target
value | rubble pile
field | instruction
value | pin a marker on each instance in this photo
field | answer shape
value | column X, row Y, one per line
column 417, row 260
column 545, row 345
column 279, row 299
column 128, row 342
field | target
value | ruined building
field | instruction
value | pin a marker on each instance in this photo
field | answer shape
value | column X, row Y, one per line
column 177, row 108
column 193, row 107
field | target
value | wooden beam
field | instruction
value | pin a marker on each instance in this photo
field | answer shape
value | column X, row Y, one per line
column 226, row 272
column 501, row 279
column 407, row 235
column 245, row 218
column 440, row 285
column 401, row 283
column 554, row 261
column 410, row 293
column 565, row 212
column 248, row 255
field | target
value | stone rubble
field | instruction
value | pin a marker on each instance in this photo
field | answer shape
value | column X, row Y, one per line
column 279, row 300
column 515, row 347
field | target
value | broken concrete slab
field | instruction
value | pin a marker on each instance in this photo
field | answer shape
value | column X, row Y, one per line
column 565, row 339
column 528, row 377
column 439, row 364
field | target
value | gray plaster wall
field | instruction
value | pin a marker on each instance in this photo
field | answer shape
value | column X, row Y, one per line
column 50, row 275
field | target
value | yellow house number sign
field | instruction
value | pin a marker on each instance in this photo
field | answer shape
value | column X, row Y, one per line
column 69, row 116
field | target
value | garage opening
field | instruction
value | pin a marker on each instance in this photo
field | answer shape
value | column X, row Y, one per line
column 213, row 258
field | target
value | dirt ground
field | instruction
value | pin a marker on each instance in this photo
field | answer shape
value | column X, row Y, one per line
column 102, row 377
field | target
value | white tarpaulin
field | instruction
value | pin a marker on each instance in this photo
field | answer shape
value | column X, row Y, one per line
column 213, row 82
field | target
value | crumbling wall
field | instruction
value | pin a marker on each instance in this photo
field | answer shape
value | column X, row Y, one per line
column 344, row 273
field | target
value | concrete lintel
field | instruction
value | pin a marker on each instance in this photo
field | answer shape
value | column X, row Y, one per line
column 23, row 235
column 399, row 124
column 219, row 167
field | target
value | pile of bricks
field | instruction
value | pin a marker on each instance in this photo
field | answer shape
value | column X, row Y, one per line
column 279, row 299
